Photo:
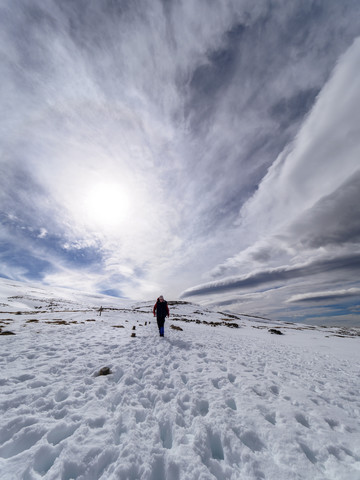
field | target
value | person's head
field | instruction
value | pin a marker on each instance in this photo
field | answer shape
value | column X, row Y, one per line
column 161, row 298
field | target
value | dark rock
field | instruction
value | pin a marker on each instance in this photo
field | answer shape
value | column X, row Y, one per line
column 104, row 371
column 175, row 327
column 133, row 335
column 275, row 331
column 57, row 321
column 7, row 332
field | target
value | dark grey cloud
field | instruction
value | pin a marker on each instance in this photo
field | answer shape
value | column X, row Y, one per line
column 209, row 80
column 333, row 220
column 329, row 296
column 288, row 110
column 280, row 274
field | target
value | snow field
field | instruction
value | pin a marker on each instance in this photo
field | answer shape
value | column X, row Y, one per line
column 202, row 403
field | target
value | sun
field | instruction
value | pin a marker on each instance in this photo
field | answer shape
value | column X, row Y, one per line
column 106, row 205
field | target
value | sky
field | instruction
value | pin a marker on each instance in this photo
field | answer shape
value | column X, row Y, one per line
column 207, row 151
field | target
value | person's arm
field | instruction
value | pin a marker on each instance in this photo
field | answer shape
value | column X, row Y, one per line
column 168, row 311
column 154, row 309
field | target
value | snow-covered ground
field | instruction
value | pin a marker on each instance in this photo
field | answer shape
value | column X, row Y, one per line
column 205, row 402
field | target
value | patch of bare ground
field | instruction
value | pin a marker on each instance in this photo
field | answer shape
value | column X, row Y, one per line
column 6, row 332
column 61, row 322
column 350, row 332
column 114, row 309
column 229, row 316
column 205, row 322
column 175, row 327
column 346, row 333
column 177, row 302
column 182, row 319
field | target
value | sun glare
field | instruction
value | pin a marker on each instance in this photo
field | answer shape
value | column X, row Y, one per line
column 106, row 205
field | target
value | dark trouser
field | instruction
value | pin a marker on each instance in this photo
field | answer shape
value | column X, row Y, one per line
column 160, row 322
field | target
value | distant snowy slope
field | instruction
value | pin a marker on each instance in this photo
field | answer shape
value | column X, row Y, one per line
column 16, row 296
column 219, row 397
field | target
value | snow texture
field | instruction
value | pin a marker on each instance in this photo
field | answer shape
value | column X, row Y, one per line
column 207, row 402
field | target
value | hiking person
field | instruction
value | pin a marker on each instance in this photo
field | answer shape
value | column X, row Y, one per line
column 161, row 310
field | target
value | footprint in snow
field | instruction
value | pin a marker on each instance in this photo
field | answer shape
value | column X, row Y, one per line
column 101, row 393
column 45, row 458
column 24, row 378
column 202, row 407
column 258, row 392
column 271, row 418
column 60, row 432
column 332, row 423
column 98, row 422
column 215, row 382
column 22, row 441
column 230, row 402
column 216, row 448
column 252, row 441
column 14, row 426
column 61, row 395
column 310, row 455
column 140, row 416
column 302, row 420
column 166, row 434
column 274, row 389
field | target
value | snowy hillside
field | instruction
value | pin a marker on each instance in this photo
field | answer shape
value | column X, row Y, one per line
column 219, row 397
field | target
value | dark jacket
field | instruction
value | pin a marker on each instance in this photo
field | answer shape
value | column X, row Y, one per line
column 161, row 309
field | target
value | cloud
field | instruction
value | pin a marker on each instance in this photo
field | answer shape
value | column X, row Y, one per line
column 279, row 274
column 305, row 202
column 194, row 114
column 309, row 171
column 331, row 295
column 333, row 220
